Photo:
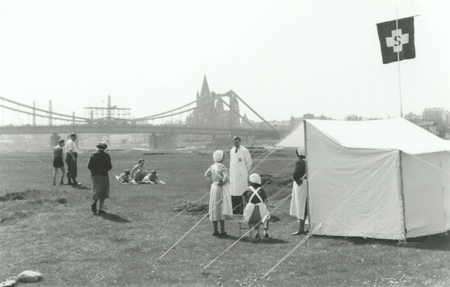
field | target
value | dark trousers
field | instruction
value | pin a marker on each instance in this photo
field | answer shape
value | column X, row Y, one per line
column 71, row 165
column 237, row 203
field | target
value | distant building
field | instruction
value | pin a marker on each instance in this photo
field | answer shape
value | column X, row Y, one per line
column 429, row 126
column 435, row 114
column 211, row 112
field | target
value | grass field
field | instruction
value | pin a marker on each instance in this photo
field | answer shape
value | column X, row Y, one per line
column 51, row 229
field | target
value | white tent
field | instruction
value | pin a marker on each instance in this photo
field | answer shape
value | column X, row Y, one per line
column 386, row 179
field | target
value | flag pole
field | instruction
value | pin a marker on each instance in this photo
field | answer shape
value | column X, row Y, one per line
column 398, row 63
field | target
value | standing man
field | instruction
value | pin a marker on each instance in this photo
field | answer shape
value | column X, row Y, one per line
column 240, row 166
column 99, row 165
column 71, row 160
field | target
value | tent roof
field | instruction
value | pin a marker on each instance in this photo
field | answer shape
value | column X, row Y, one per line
column 395, row 133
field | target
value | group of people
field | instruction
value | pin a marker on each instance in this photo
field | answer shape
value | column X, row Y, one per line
column 99, row 164
column 231, row 193
column 71, row 152
column 139, row 174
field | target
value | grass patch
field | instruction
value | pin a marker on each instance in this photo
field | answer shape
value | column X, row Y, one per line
column 191, row 206
column 51, row 229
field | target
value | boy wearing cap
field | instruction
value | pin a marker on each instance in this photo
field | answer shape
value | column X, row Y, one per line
column 58, row 162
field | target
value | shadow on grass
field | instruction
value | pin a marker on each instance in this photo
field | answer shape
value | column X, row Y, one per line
column 274, row 218
column 82, row 187
column 114, row 218
column 262, row 241
column 433, row 242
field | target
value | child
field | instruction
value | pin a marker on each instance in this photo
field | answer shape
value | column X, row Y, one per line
column 153, row 178
column 125, row 177
column 256, row 210
column 220, row 197
column 58, row 161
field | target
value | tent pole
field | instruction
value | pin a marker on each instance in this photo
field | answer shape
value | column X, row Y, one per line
column 402, row 197
column 307, row 181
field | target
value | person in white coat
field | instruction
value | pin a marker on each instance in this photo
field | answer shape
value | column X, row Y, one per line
column 240, row 166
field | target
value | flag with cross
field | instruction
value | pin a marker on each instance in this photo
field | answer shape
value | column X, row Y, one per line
column 397, row 40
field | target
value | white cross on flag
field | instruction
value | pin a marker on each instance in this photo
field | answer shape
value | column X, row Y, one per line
column 397, row 39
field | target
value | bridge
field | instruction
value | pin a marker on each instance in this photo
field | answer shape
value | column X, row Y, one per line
column 204, row 116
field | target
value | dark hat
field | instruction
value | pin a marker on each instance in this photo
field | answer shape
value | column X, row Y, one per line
column 61, row 141
column 102, row 145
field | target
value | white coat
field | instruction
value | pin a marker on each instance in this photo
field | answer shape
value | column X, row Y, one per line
column 240, row 166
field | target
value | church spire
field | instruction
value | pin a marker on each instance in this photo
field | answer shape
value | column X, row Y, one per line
column 205, row 88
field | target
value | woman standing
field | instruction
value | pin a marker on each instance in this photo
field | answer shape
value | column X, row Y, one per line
column 220, row 197
column 99, row 165
column 299, row 192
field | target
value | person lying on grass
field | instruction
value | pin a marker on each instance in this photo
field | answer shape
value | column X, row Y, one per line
column 255, row 211
column 152, row 178
column 220, row 196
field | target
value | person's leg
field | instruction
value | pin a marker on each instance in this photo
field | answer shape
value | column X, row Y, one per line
column 55, row 170
column 138, row 176
column 301, row 229
column 257, row 232
column 241, row 205
column 94, row 206
column 266, row 229
column 222, row 228
column 236, row 203
column 63, row 172
column 75, row 170
column 69, row 169
column 100, row 206
column 216, row 231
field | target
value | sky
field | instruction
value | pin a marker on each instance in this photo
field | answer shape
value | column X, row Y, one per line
column 283, row 58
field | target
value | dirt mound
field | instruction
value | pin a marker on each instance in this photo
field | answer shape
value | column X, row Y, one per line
column 18, row 195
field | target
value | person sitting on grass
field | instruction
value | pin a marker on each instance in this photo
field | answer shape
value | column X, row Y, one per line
column 255, row 211
column 220, row 196
column 153, row 178
column 138, row 172
column 124, row 177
